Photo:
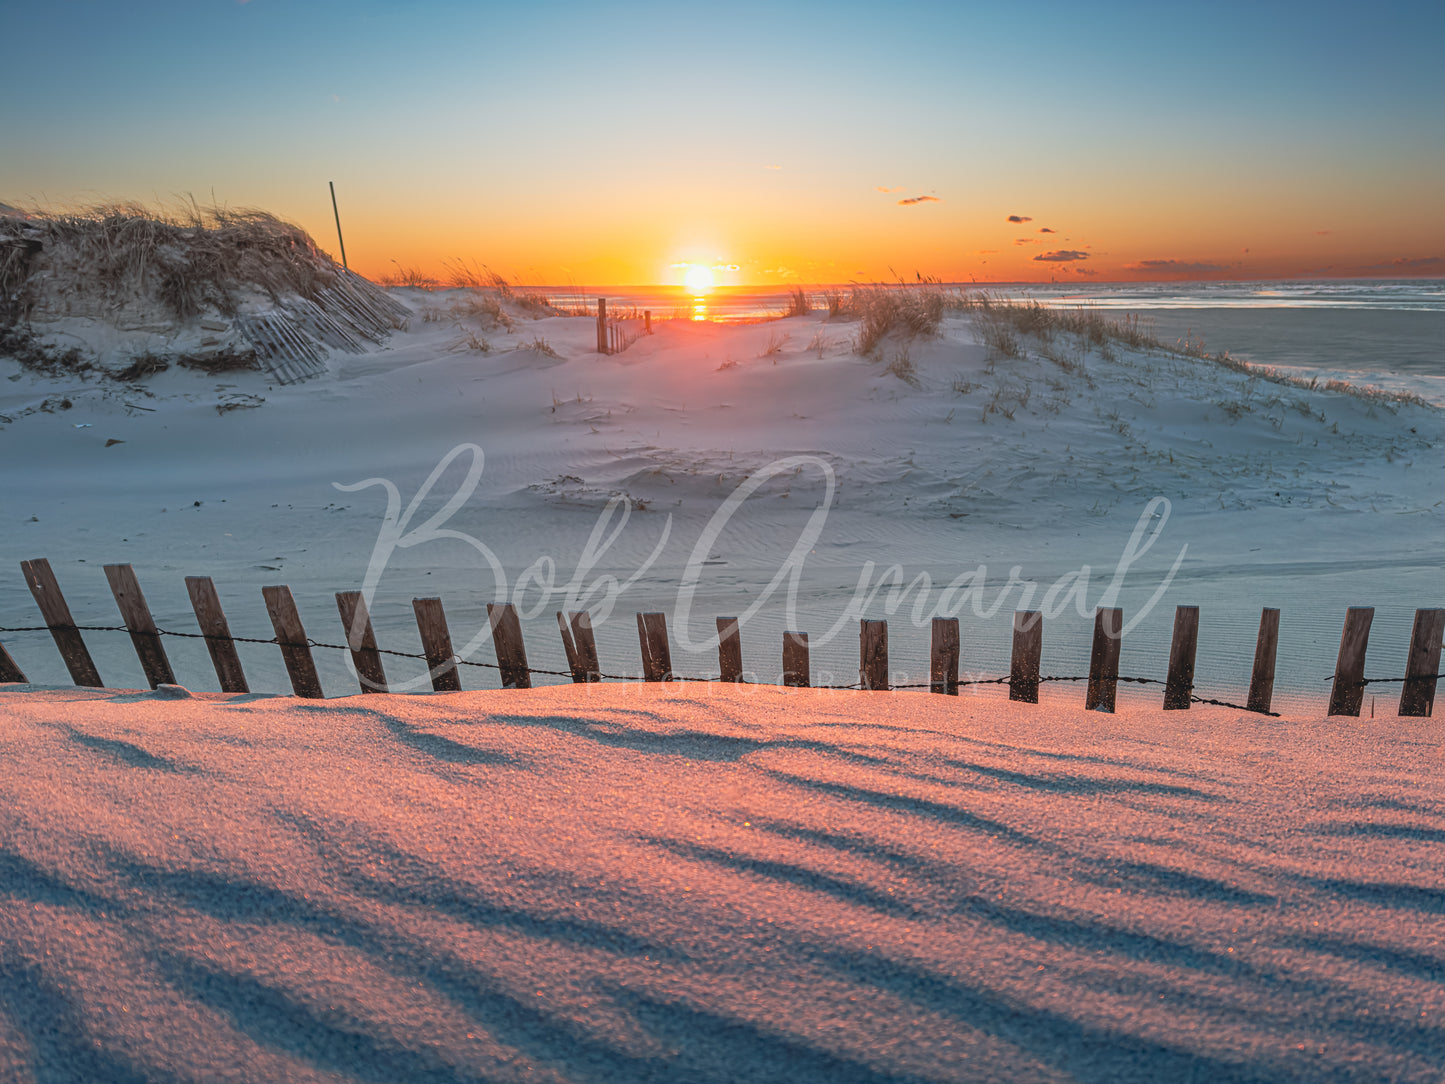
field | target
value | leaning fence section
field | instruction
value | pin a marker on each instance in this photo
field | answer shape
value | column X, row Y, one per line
column 443, row 665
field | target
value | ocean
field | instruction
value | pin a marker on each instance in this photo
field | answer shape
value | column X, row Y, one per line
column 1388, row 333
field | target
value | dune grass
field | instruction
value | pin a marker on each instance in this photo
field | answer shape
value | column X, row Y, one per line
column 1003, row 325
column 189, row 259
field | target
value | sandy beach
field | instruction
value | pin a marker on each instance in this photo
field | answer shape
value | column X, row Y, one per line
column 625, row 883
column 659, row 466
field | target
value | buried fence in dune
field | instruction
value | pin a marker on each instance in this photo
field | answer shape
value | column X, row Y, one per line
column 614, row 333
column 1417, row 695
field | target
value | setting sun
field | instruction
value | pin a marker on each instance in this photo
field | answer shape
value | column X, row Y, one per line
column 698, row 279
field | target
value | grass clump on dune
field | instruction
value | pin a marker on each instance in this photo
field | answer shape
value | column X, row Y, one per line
column 905, row 311
column 189, row 261
column 1000, row 323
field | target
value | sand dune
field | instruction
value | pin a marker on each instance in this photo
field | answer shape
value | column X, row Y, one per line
column 1306, row 500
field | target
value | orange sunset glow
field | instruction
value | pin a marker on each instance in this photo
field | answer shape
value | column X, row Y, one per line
column 1177, row 147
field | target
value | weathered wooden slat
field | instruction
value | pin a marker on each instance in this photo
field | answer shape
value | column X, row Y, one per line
column 656, row 654
column 1028, row 646
column 511, row 651
column 46, row 591
column 943, row 657
column 586, row 644
column 436, row 645
column 217, row 631
column 569, row 645
column 1261, row 679
column 291, row 636
column 873, row 655
column 602, row 325
column 1348, row 691
column 1104, row 660
column 797, row 673
column 1423, row 663
column 9, row 669
column 730, row 649
column 1179, row 686
column 361, row 639
column 139, row 623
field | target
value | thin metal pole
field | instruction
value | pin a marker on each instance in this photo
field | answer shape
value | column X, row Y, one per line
column 338, row 225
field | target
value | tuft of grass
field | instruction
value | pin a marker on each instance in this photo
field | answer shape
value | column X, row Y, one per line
column 409, row 276
column 540, row 346
column 484, row 306
column 904, row 367
column 905, row 311
column 798, row 302
column 470, row 340
column 775, row 345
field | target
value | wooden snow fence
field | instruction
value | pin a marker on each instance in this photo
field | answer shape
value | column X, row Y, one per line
column 292, row 340
column 615, row 334
column 1417, row 696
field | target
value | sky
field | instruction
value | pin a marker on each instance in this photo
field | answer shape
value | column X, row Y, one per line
column 769, row 143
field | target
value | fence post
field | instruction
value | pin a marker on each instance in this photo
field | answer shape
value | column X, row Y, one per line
column 43, row 586
column 1104, row 660
column 1348, row 691
column 1423, row 663
column 1261, row 679
column 9, row 671
column 586, row 645
column 1180, row 685
column 729, row 649
column 656, row 655
column 436, row 645
column 291, row 637
column 1023, row 671
column 511, row 651
column 217, row 631
column 943, row 657
column 647, row 321
column 141, row 626
column 602, row 325
column 356, row 621
column 796, row 671
column 873, row 655
column 569, row 646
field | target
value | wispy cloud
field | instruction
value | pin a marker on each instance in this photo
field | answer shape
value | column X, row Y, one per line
column 1019, row 218
column 886, row 190
column 1028, row 241
column 1171, row 267
column 1415, row 263
column 918, row 199
column 1067, row 255
column 1085, row 271
column 1045, row 229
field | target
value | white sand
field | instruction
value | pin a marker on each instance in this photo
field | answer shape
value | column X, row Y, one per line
column 623, row 883
column 694, row 883
column 1309, row 501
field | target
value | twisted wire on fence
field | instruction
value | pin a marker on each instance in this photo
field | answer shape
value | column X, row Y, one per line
column 459, row 661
